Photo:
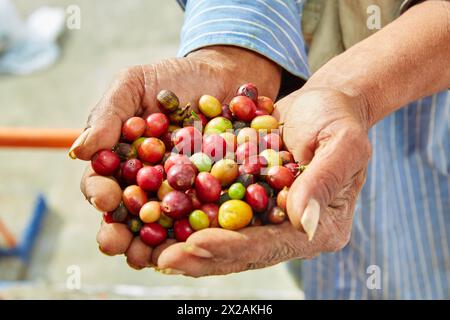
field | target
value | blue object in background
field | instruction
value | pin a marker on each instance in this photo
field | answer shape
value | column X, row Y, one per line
column 25, row 246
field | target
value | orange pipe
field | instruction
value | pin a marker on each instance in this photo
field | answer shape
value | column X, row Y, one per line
column 37, row 137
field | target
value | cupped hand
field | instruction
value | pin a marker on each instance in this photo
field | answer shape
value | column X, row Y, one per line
column 326, row 129
column 216, row 70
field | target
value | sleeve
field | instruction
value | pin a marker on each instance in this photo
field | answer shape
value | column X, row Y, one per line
column 270, row 27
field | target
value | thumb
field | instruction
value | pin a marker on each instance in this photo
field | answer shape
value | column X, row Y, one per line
column 332, row 168
column 121, row 101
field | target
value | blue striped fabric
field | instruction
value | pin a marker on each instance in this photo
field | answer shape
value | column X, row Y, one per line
column 272, row 28
column 402, row 218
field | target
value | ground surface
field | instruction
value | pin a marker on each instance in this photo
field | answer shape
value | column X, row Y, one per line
column 113, row 35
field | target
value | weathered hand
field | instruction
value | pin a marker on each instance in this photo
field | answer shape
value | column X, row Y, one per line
column 217, row 71
column 326, row 129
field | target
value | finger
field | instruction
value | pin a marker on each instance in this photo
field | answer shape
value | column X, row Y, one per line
column 175, row 260
column 157, row 251
column 206, row 252
column 300, row 145
column 103, row 193
column 334, row 165
column 114, row 238
column 218, row 251
column 122, row 101
column 139, row 255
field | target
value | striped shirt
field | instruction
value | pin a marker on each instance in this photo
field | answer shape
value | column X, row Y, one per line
column 399, row 248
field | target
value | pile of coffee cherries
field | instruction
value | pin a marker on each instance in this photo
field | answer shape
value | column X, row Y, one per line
column 182, row 170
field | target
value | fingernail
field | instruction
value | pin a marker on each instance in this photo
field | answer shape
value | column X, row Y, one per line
column 103, row 251
column 197, row 251
column 310, row 218
column 156, row 269
column 134, row 266
column 93, row 202
column 78, row 142
column 171, row 271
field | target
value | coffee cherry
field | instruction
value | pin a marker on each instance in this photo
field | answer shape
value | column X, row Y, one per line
column 208, row 187
column 226, row 112
column 279, row 177
column 153, row 234
column 238, row 125
column 247, row 135
column 231, row 142
column 235, row 215
column 105, row 162
column 261, row 112
column 265, row 103
column 209, row 106
column 246, row 179
column 134, row 198
column 164, row 189
column 202, row 162
column 198, row 220
column 165, row 221
column 266, row 123
column 286, row 157
column 293, row 167
column 157, row 124
column 269, row 190
column 276, row 215
column 256, row 197
column 243, row 108
column 212, row 211
column 272, row 141
column 236, row 191
column 150, row 212
column 149, row 178
column 135, row 225
column 226, row 171
column 245, row 151
column 181, row 176
column 176, row 204
column 253, row 165
column 133, row 128
column 120, row 214
column 168, row 100
column 136, row 143
column 196, row 203
column 182, row 230
column 249, row 90
column 108, row 217
column 282, row 198
column 174, row 159
column 166, row 138
column 218, row 125
column 130, row 169
column 125, row 151
column 151, row 150
column 187, row 140
column 214, row 146
column 273, row 157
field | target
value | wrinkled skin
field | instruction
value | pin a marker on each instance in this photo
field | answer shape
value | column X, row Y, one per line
column 322, row 127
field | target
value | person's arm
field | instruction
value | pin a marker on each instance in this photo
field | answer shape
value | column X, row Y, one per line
column 406, row 60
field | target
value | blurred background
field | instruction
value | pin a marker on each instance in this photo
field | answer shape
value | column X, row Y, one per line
column 56, row 89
